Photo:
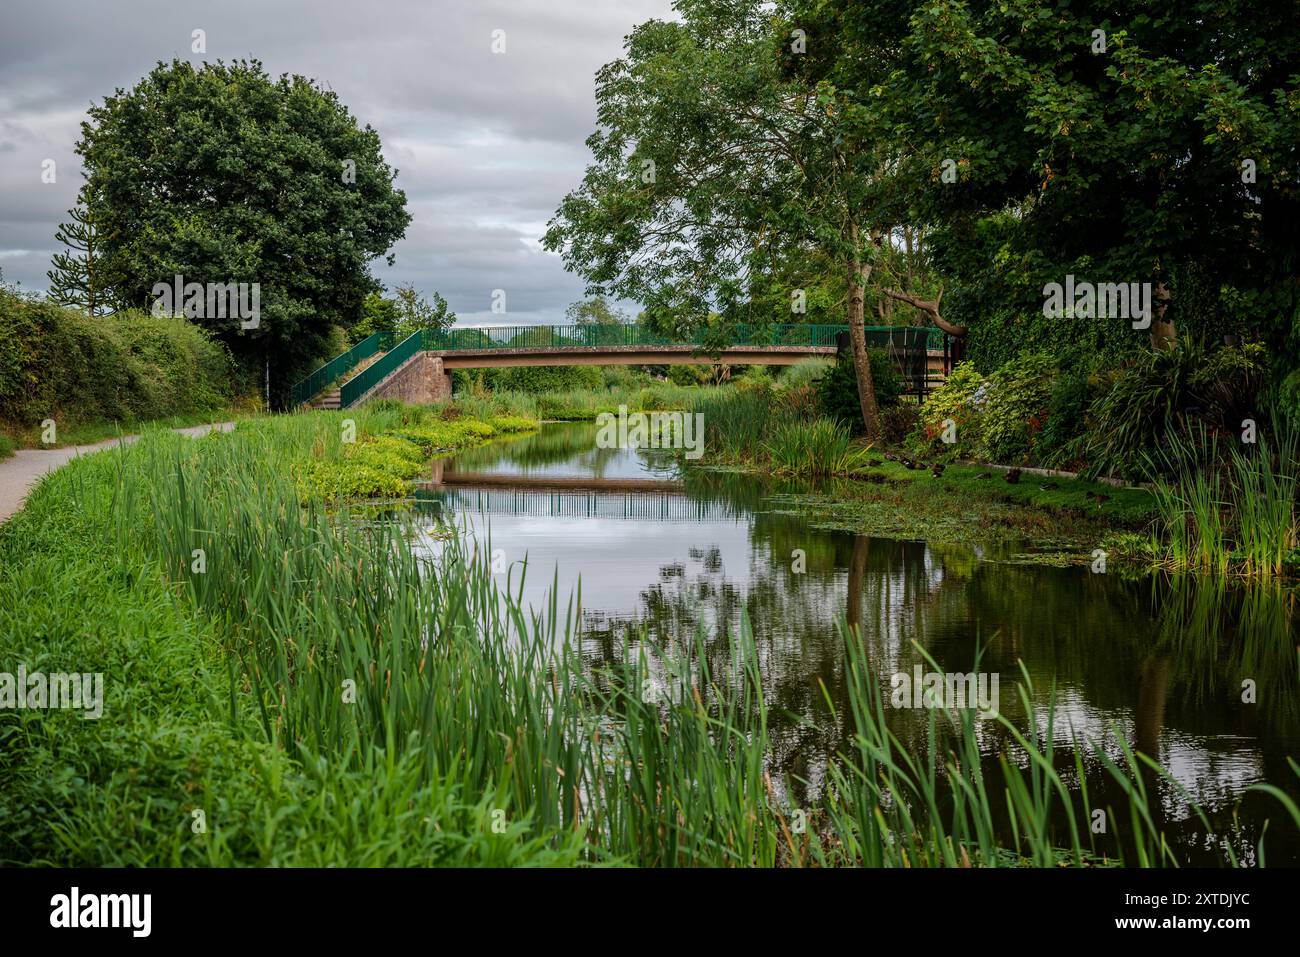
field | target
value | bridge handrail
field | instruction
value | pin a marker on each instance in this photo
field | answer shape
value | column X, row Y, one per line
column 908, row 343
column 340, row 365
column 376, row 372
column 621, row 334
column 469, row 338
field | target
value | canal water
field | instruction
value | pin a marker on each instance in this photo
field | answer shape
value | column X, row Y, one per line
column 656, row 550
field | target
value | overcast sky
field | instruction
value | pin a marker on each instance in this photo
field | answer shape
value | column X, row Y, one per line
column 486, row 144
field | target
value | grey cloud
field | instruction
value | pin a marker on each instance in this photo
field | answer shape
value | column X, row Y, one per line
column 487, row 144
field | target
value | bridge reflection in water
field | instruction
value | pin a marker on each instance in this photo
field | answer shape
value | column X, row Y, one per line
column 650, row 501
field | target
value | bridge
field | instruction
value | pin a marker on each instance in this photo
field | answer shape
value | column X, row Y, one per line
column 657, row 507
column 418, row 368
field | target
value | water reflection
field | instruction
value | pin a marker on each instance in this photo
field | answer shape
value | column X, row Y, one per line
column 1163, row 661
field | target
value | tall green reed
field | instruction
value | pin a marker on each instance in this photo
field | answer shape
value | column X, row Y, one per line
column 347, row 643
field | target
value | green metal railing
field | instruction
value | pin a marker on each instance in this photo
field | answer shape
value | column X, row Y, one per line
column 624, row 334
column 907, row 344
column 338, row 367
column 373, row 374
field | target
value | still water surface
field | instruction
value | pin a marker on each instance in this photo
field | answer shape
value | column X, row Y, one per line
column 657, row 551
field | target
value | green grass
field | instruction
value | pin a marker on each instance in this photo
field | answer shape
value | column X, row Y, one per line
column 327, row 695
column 1127, row 507
column 7, row 446
column 28, row 436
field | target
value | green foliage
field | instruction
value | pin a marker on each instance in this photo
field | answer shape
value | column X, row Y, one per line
column 817, row 447
column 414, row 313
column 61, row 364
column 378, row 314
column 689, row 375
column 960, row 400
column 1161, row 395
column 1017, row 408
column 536, row 379
column 595, row 311
column 228, row 698
column 1060, row 156
column 253, row 182
column 837, row 390
column 1067, row 412
column 1233, row 514
column 1286, row 396
column 79, row 277
column 505, row 424
column 6, row 446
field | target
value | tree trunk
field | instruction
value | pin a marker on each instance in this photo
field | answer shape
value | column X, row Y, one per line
column 1163, row 334
column 858, row 273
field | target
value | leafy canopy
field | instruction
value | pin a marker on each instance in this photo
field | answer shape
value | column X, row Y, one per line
column 222, row 174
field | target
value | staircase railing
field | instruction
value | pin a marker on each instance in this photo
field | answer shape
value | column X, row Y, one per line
column 338, row 367
column 377, row 371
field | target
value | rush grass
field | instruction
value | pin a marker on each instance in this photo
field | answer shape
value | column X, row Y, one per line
column 1233, row 512
column 324, row 694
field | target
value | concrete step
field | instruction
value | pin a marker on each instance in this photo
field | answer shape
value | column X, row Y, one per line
column 328, row 400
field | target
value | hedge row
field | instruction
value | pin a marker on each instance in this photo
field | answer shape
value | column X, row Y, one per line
column 59, row 363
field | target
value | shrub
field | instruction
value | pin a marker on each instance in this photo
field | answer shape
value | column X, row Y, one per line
column 1286, row 395
column 1017, row 407
column 689, row 375
column 961, row 399
column 897, row 422
column 1067, row 414
column 1158, row 398
column 837, row 390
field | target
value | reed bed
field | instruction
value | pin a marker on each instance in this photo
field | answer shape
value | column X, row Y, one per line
column 345, row 698
column 1233, row 511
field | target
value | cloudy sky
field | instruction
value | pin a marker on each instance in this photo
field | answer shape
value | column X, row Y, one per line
column 486, row 144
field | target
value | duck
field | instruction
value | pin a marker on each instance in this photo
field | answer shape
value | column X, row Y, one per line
column 1012, row 477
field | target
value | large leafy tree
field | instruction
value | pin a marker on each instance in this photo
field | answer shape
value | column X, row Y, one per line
column 1132, row 142
column 223, row 174
column 723, row 180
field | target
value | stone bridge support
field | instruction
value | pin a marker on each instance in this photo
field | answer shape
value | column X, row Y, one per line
column 422, row 380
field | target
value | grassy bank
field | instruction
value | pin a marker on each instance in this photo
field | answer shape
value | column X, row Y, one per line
column 313, row 663
column 71, row 432
column 376, row 450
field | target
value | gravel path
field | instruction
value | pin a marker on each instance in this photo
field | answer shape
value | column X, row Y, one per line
column 26, row 467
